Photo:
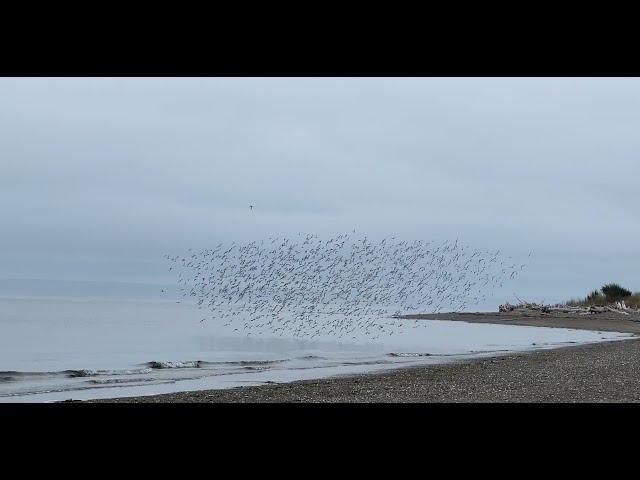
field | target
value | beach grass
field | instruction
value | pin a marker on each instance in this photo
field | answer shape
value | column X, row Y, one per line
column 608, row 295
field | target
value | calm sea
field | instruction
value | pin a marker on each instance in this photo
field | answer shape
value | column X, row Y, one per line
column 61, row 348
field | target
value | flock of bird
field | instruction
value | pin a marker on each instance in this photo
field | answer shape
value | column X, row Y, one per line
column 340, row 286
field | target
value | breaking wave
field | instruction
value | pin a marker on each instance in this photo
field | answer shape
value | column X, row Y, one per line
column 161, row 365
column 13, row 376
column 93, row 373
column 402, row 354
column 10, row 376
column 203, row 364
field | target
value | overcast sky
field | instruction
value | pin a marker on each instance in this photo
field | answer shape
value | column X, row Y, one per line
column 100, row 177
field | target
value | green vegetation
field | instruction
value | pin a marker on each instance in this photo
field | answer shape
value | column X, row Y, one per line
column 607, row 295
column 614, row 292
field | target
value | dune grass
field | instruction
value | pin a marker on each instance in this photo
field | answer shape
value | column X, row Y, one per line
column 607, row 295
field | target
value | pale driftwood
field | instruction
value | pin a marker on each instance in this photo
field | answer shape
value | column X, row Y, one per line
column 526, row 308
column 615, row 310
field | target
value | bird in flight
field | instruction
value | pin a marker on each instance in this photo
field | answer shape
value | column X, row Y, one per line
column 313, row 286
column 250, row 207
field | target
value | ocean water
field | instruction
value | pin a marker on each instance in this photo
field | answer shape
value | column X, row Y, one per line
column 57, row 349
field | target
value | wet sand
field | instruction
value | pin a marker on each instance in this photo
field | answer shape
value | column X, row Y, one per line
column 604, row 372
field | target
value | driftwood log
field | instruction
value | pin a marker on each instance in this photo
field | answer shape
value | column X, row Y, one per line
column 534, row 308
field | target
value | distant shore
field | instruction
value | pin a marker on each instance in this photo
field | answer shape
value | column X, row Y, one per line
column 604, row 322
column 602, row 372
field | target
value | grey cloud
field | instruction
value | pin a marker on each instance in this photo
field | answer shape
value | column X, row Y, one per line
column 118, row 171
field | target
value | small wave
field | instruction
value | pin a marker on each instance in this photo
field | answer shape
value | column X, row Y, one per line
column 189, row 364
column 203, row 364
column 12, row 376
column 93, row 373
column 256, row 362
column 207, row 365
column 425, row 354
column 402, row 354
column 16, row 374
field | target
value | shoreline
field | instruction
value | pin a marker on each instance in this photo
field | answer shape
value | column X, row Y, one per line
column 595, row 372
column 602, row 322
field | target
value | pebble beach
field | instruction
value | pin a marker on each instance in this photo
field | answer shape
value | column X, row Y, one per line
column 602, row 372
